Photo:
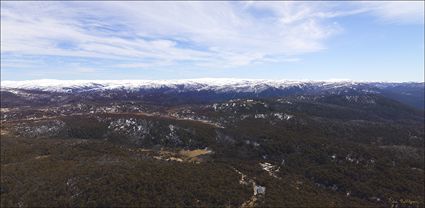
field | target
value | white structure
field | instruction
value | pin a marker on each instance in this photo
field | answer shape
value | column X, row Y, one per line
column 259, row 190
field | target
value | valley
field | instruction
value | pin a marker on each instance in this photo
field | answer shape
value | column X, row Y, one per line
column 340, row 146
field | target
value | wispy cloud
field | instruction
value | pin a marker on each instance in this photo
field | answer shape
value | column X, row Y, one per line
column 400, row 12
column 204, row 34
column 157, row 32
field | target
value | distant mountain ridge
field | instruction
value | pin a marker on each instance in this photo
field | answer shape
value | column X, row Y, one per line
column 218, row 84
column 216, row 89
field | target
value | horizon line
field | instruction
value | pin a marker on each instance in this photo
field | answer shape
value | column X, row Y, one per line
column 223, row 78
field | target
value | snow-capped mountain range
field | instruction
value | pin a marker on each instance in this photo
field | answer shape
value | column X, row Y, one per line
column 202, row 90
column 204, row 84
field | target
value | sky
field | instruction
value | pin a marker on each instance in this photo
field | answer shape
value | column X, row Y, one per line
column 370, row 41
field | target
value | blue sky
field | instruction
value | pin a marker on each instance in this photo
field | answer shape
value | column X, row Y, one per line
column 379, row 41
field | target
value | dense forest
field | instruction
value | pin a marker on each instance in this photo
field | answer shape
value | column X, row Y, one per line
column 335, row 150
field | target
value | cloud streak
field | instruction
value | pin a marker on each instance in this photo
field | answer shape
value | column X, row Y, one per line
column 152, row 34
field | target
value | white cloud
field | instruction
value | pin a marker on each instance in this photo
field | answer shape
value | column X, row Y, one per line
column 149, row 34
column 401, row 12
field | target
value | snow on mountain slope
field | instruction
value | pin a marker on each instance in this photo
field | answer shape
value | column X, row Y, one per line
column 217, row 84
column 248, row 85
